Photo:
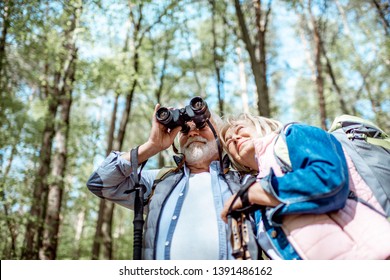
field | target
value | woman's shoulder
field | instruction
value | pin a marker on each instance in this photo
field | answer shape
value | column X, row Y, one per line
column 304, row 133
column 298, row 127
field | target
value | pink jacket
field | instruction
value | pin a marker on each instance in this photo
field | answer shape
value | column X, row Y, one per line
column 354, row 232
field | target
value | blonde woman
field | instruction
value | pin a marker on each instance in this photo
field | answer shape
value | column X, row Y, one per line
column 306, row 212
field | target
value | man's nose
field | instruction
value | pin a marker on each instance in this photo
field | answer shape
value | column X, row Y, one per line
column 193, row 131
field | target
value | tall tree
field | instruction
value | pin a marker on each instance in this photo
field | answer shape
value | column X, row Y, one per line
column 56, row 85
column 34, row 228
column 103, row 236
column 310, row 26
column 48, row 249
column 6, row 9
column 317, row 49
column 257, row 51
column 383, row 9
column 217, row 58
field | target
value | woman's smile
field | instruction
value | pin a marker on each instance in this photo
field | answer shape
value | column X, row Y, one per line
column 240, row 143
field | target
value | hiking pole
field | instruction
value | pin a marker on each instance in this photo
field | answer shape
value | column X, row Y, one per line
column 139, row 190
column 138, row 221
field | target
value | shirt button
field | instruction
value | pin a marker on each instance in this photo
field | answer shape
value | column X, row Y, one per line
column 174, row 217
column 274, row 234
column 166, row 243
column 181, row 194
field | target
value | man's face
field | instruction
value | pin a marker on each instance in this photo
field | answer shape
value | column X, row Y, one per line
column 198, row 144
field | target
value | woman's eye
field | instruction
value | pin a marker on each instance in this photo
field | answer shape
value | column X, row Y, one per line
column 239, row 128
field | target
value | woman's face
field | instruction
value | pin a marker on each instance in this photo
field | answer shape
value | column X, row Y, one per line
column 238, row 143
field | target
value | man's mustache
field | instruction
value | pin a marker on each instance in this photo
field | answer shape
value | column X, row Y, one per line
column 195, row 139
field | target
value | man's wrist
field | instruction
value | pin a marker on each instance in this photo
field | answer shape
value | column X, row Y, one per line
column 147, row 150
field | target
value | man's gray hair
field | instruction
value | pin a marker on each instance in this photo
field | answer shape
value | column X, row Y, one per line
column 216, row 121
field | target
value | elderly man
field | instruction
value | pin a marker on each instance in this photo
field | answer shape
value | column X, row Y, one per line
column 183, row 215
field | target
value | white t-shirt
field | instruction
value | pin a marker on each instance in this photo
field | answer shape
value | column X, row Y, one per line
column 196, row 232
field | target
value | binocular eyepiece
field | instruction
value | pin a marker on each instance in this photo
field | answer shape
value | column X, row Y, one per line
column 197, row 111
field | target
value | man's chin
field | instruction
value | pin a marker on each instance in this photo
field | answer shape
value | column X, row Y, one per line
column 194, row 153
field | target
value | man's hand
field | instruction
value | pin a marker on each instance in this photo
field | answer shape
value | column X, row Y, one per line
column 160, row 138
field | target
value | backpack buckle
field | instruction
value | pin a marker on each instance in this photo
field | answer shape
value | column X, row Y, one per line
column 359, row 136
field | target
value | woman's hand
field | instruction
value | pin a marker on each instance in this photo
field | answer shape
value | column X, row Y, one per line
column 237, row 205
column 256, row 195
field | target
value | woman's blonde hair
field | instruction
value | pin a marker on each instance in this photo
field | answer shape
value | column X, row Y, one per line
column 263, row 126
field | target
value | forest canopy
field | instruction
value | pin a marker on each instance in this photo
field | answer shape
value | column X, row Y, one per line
column 81, row 78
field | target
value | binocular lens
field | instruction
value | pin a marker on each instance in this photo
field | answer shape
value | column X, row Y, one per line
column 197, row 103
column 163, row 114
column 197, row 111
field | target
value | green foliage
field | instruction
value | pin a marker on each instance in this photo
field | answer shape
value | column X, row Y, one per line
column 174, row 49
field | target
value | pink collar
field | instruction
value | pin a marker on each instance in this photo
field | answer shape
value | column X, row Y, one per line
column 264, row 149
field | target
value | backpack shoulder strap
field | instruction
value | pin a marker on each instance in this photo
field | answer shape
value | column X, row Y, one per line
column 161, row 175
column 359, row 128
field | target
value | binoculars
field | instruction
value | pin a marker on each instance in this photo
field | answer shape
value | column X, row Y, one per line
column 197, row 111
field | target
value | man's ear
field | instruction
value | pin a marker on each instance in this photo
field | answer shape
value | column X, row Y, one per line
column 176, row 144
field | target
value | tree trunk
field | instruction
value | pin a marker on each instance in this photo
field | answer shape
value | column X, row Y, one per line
column 343, row 105
column 79, row 232
column 258, row 65
column 159, row 91
column 318, row 74
column 243, row 82
column 382, row 16
column 34, row 225
column 3, row 39
column 217, row 59
column 11, row 253
column 102, row 236
column 201, row 91
column 48, row 249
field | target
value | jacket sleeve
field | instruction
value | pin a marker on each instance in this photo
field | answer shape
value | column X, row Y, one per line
column 319, row 180
column 113, row 180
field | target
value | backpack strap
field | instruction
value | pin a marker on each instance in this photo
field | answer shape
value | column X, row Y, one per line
column 135, row 173
column 161, row 175
column 353, row 196
column 358, row 128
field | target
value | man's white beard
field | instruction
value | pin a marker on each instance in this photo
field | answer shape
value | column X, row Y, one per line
column 200, row 151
